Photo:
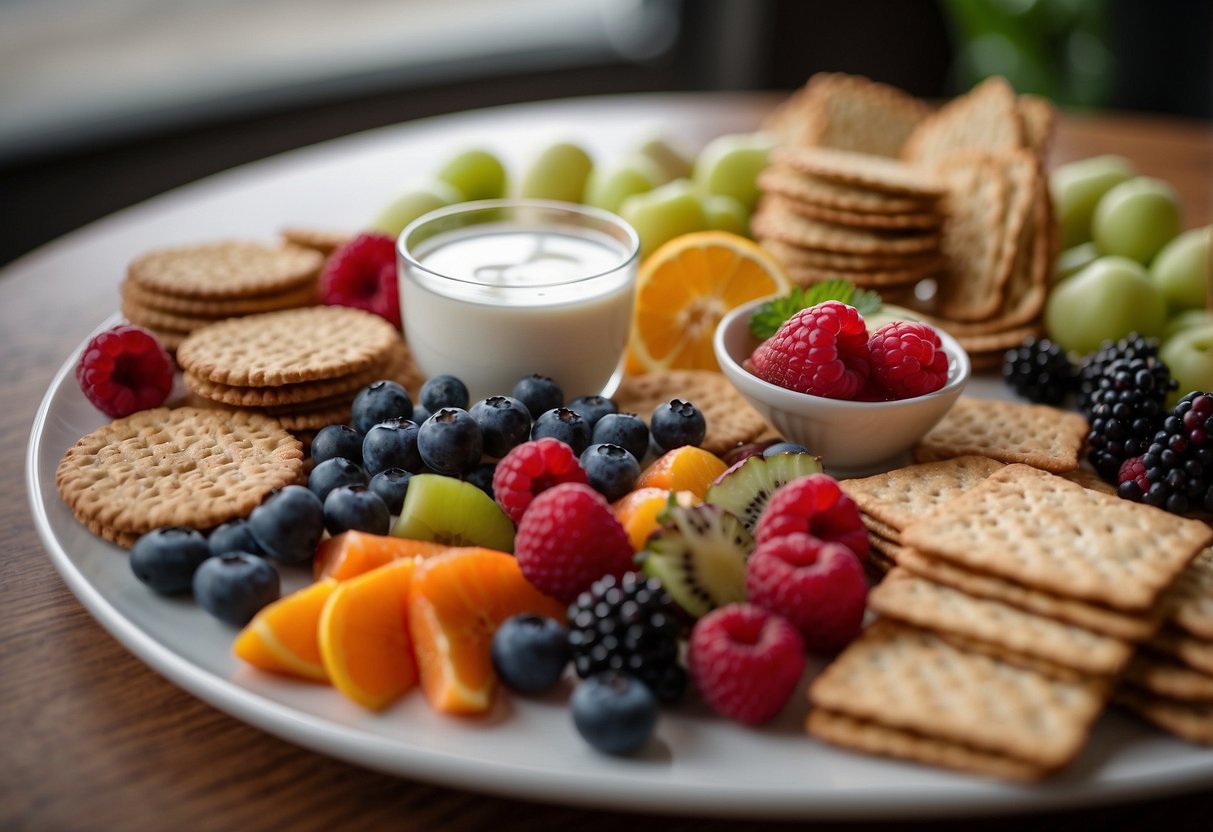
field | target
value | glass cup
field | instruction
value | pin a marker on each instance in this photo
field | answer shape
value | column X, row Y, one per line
column 495, row 290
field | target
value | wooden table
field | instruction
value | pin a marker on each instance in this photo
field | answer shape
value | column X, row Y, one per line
column 90, row 738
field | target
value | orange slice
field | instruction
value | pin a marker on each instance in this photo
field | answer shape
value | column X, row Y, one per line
column 364, row 635
column 353, row 553
column 683, row 469
column 456, row 602
column 685, row 288
column 281, row 638
column 637, row 511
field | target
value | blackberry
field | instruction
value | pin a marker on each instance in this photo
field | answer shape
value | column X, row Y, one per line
column 1040, row 371
column 629, row 625
column 1094, row 368
column 1126, row 411
column 1179, row 460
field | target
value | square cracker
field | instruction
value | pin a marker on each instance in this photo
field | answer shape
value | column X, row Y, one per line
column 1091, row 616
column 1041, row 436
column 1190, row 600
column 899, row 497
column 850, row 112
column 985, row 118
column 875, row 738
column 938, row 608
column 1166, row 677
column 916, row 681
column 1044, row 531
column 1194, row 652
column 1192, row 721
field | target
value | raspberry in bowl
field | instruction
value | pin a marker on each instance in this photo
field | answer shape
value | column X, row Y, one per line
column 865, row 402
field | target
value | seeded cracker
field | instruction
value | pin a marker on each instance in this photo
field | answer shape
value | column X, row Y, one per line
column 1041, row 436
column 731, row 421
column 1042, row 531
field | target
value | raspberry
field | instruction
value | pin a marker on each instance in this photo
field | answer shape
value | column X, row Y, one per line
column 123, row 370
column 815, row 505
column 818, row 587
column 568, row 538
column 1131, row 480
column 822, row 350
column 530, row 469
column 362, row 274
column 907, row 359
column 745, row 661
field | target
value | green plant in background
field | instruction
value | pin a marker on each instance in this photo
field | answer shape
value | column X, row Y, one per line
column 1055, row 48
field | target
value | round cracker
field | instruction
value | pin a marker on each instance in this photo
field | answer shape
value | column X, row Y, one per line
column 731, row 421
column 222, row 308
column 850, row 219
column 229, row 269
column 808, row 258
column 837, row 195
column 876, row 173
column 776, row 220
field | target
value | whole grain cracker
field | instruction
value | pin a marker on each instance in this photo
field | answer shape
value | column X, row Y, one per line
column 938, row 608
column 978, row 205
column 888, row 221
column 182, row 467
column 878, row 527
column 874, row 173
column 1190, row 599
column 325, row 241
column 1046, row 532
column 850, row 112
column 898, row 497
column 916, row 681
column 986, row 118
column 801, row 187
column 865, row 279
column 225, row 308
column 1094, row 617
column 1166, row 677
column 1041, row 436
column 796, row 257
column 1088, row 479
column 731, row 421
column 225, row 269
column 874, row 738
column 775, row 220
column 1191, row 721
column 288, row 347
column 1194, row 652
column 1018, row 659
column 1039, row 120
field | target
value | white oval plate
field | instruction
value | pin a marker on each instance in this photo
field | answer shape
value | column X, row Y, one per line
column 527, row 749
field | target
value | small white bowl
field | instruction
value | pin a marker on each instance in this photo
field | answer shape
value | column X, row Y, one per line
column 848, row 436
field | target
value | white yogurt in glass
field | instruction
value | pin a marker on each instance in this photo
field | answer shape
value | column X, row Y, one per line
column 496, row 290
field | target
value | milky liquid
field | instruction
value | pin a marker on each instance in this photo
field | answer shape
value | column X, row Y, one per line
column 496, row 302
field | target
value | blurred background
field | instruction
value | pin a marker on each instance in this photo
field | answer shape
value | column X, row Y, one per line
column 104, row 103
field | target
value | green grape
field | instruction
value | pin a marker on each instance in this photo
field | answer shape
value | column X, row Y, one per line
column 1187, row 319
column 1181, row 270
column 1104, row 302
column 477, row 174
column 1073, row 260
column 673, row 163
column 607, row 188
column 730, row 165
column 559, row 172
column 1136, row 219
column 408, row 207
column 664, row 213
column 1189, row 357
column 1077, row 188
column 726, row 214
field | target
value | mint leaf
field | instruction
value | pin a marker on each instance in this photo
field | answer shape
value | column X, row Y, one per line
column 767, row 318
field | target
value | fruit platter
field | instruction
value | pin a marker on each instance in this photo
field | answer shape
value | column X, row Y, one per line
column 357, row 522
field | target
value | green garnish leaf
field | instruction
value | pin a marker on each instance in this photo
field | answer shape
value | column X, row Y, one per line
column 767, row 318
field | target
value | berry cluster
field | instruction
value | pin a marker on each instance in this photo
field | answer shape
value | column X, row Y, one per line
column 826, row 350
column 1176, row 470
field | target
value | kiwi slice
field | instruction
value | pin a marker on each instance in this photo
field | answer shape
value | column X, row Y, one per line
column 746, row 488
column 699, row 555
column 454, row 512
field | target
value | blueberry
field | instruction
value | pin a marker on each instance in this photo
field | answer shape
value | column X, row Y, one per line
column 357, row 508
column 627, row 430
column 233, row 587
column 611, row 470
column 539, row 394
column 530, row 652
column 337, row 441
column 504, row 423
column 677, row 423
column 379, row 402
column 333, row 473
column 289, row 524
column 420, row 414
column 614, row 712
column 391, row 486
column 565, row 425
column 444, row 391
column 234, row 536
column 592, row 408
column 784, row 448
column 165, row 559
column 450, row 442
column 481, row 476
column 391, row 444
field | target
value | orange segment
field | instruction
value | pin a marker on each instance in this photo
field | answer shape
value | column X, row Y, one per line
column 364, row 635
column 353, row 553
column 685, row 288
column 683, row 469
column 281, row 638
column 637, row 511
column 456, row 602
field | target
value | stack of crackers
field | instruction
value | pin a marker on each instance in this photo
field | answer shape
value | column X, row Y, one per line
column 303, row 367
column 970, row 176
column 174, row 292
